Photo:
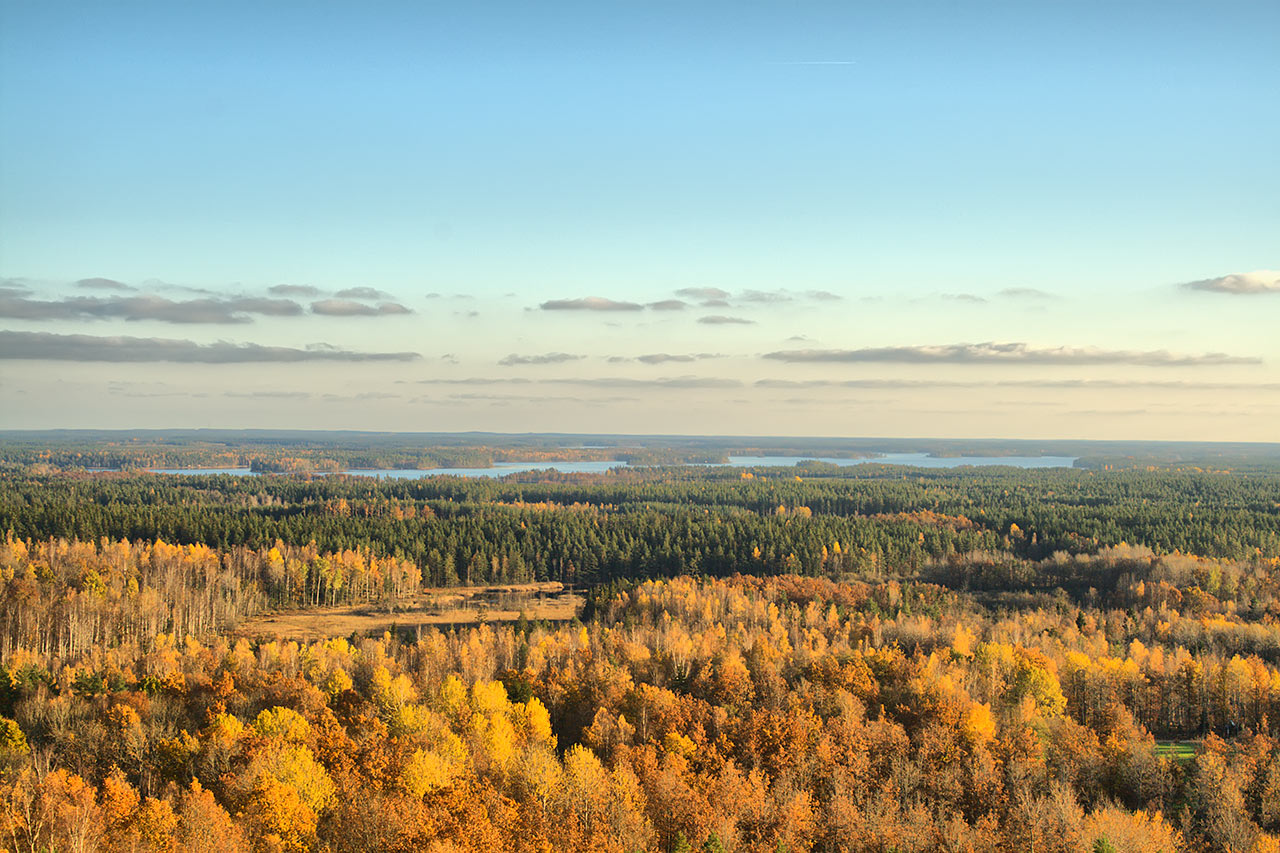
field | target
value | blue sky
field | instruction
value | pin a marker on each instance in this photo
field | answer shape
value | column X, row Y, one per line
column 983, row 216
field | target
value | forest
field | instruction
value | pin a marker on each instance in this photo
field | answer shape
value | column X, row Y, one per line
column 772, row 659
column 308, row 451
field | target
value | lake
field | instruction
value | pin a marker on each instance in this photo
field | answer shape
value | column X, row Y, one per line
column 919, row 460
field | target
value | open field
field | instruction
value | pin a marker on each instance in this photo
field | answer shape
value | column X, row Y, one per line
column 1178, row 750
column 550, row 602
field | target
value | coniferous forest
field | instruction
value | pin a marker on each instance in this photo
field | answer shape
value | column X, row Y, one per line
column 811, row 658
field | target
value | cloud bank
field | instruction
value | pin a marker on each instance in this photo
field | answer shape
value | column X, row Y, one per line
column 362, row 293
column 304, row 290
column 348, row 308
column 703, row 293
column 1057, row 384
column 722, row 320
column 54, row 347
column 1239, row 284
column 1004, row 353
column 103, row 284
column 547, row 358
column 135, row 308
column 590, row 303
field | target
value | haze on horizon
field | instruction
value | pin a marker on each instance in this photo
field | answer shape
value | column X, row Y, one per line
column 915, row 219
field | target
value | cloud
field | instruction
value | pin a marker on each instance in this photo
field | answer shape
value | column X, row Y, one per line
column 965, row 297
column 1025, row 293
column 268, row 395
column 1239, row 284
column 1004, row 353
column 668, row 305
column 715, row 303
column 765, row 296
column 147, row 307
column 362, row 293
column 348, row 308
column 103, row 284
column 823, row 295
column 665, row 382
column 474, row 381
column 703, row 293
column 547, row 358
column 540, row 398
column 54, row 347
column 662, row 357
column 304, row 290
column 1057, row 384
column 366, row 395
column 589, row 303
column 156, row 284
column 721, row 320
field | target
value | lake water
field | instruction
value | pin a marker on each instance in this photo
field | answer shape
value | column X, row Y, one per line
column 920, row 460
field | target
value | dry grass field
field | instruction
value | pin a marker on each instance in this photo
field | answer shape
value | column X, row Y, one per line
column 447, row 607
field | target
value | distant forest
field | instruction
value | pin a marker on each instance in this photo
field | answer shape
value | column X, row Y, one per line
column 310, row 451
column 814, row 658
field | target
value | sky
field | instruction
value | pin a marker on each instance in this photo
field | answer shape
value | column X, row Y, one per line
column 1007, row 220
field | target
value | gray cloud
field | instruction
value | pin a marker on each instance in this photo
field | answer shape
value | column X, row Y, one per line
column 146, row 394
column 214, row 310
column 1025, row 293
column 721, row 320
column 54, row 347
column 362, row 293
column 766, row 296
column 703, row 293
column 156, row 284
column 1004, row 353
column 665, row 382
column 662, row 357
column 715, row 303
column 304, row 290
column 823, row 295
column 965, row 297
column 1057, row 384
column 366, row 395
column 668, row 305
column 475, row 381
column 547, row 358
column 103, row 284
column 540, row 398
column 589, row 303
column 348, row 308
column 268, row 395
column 1239, row 284
column 595, row 382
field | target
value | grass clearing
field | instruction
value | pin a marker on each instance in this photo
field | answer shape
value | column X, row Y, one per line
column 1178, row 750
column 436, row 608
